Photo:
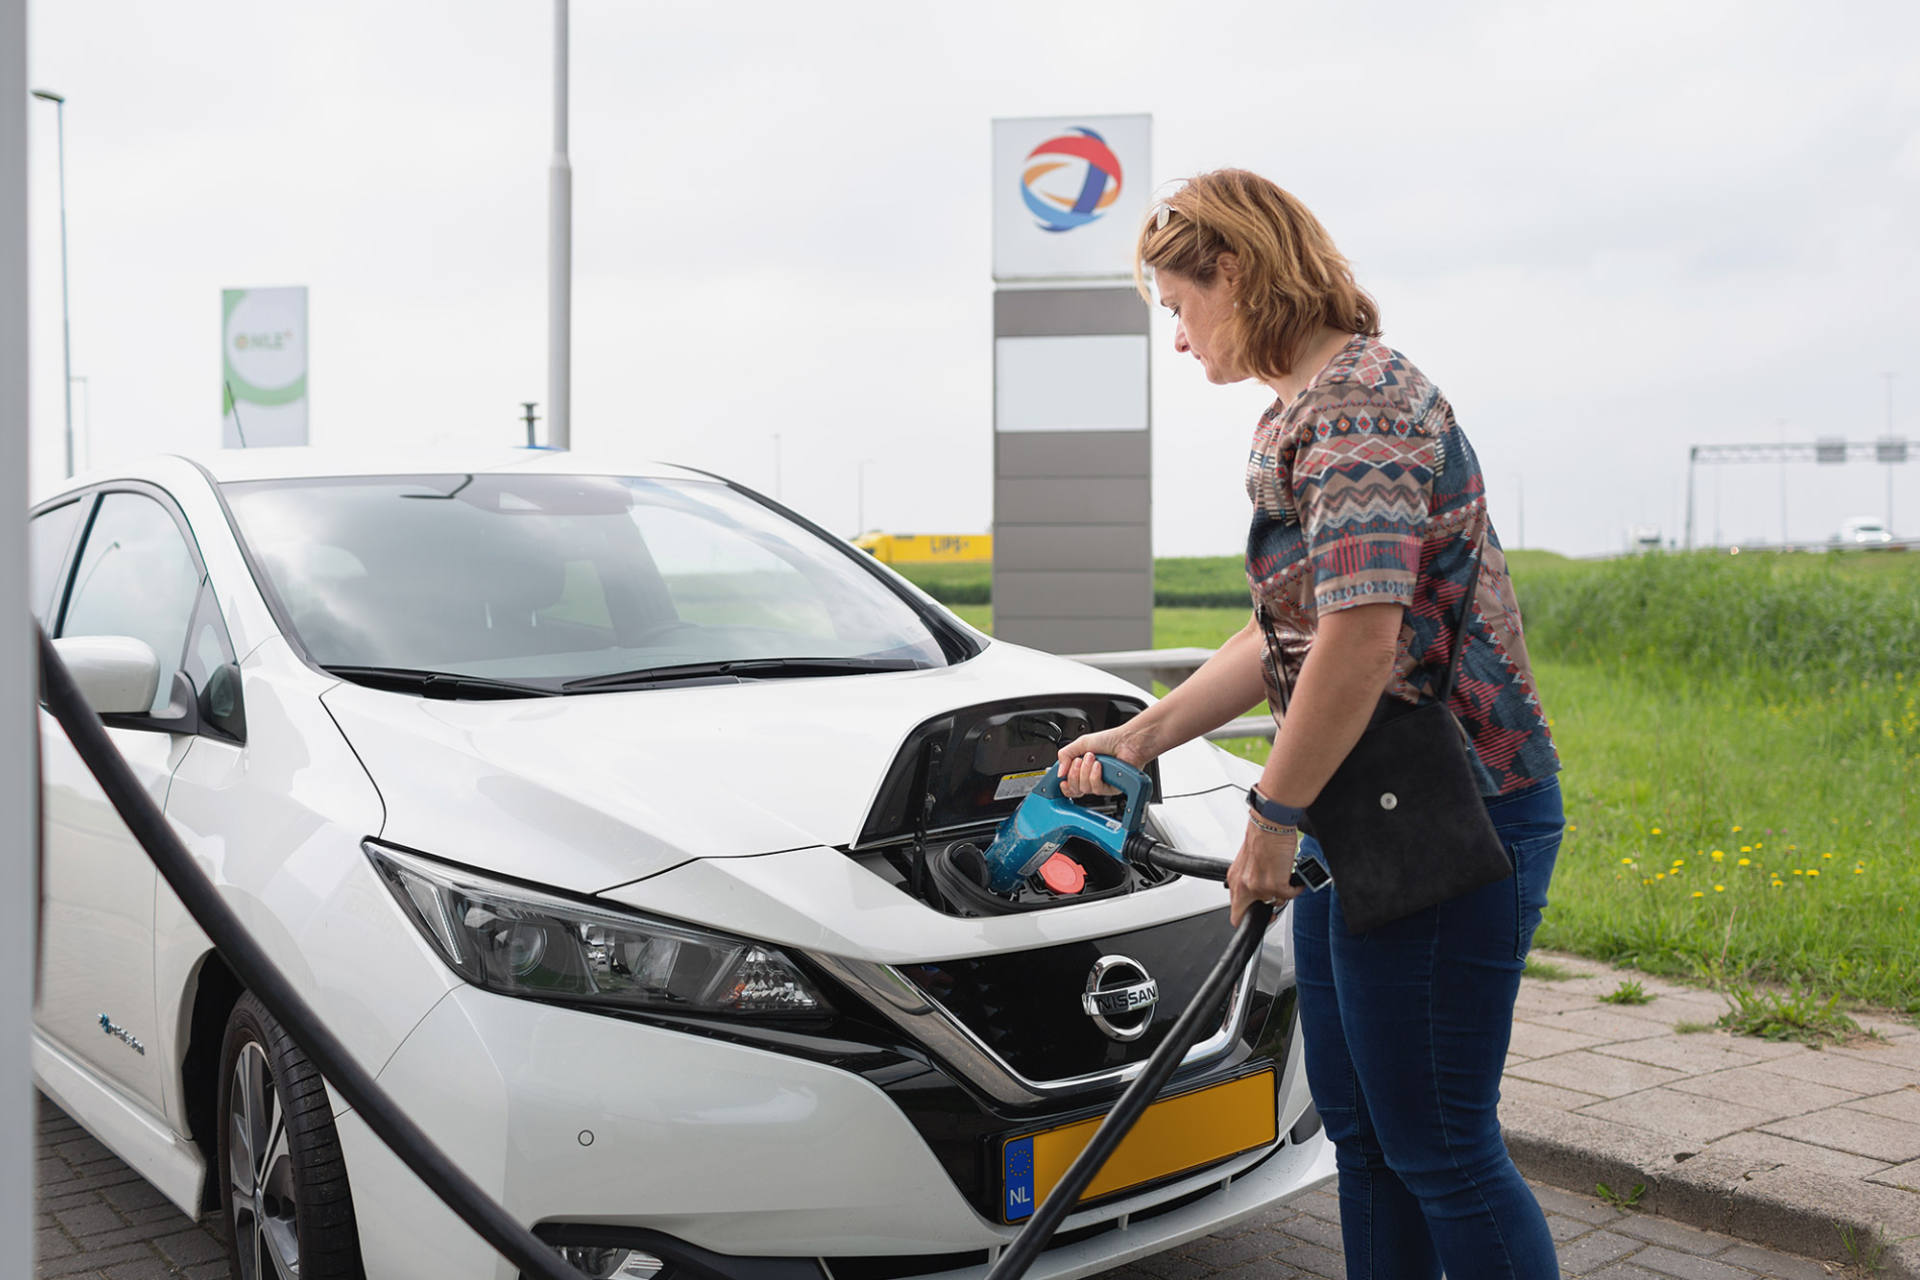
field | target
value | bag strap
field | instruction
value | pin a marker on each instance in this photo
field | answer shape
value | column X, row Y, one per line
column 1460, row 628
column 1277, row 670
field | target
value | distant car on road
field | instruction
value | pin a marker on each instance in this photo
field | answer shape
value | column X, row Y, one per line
column 1864, row 531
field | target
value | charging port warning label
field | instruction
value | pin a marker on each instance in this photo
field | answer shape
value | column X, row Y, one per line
column 1018, row 784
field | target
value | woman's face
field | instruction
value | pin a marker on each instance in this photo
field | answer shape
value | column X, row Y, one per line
column 1198, row 313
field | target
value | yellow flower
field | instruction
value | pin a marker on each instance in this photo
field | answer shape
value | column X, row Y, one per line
column 1656, row 831
column 1736, row 826
column 1626, row 862
column 1746, row 862
column 1573, row 826
column 1661, row 876
column 1859, row 871
column 1797, row 871
column 1679, row 862
column 1813, row 871
column 1746, row 848
column 1646, row 879
column 1779, row 884
column 1718, row 856
column 1698, row 894
column 1827, row 856
column 1719, row 888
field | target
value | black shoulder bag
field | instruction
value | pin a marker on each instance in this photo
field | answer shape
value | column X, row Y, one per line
column 1401, row 820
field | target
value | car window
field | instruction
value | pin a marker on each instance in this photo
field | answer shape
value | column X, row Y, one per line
column 136, row 577
column 560, row 577
column 208, row 646
column 49, row 534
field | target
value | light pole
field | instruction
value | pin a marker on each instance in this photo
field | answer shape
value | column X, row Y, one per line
column 66, row 326
column 19, row 797
column 560, row 252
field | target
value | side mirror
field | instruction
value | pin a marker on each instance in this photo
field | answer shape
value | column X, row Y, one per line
column 221, row 707
column 118, row 675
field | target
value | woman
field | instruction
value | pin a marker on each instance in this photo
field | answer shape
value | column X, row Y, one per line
column 1369, row 511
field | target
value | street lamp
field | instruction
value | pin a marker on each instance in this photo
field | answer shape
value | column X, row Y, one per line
column 66, row 325
column 560, row 252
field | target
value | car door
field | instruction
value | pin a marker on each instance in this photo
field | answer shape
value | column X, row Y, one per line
column 136, row 573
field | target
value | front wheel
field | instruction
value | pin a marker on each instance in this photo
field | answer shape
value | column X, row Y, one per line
column 283, row 1180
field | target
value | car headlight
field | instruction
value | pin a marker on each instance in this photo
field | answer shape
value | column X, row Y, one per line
column 520, row 942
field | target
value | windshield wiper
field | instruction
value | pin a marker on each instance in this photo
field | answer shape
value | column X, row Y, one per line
column 439, row 684
column 741, row 669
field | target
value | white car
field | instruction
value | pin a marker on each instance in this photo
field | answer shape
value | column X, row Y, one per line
column 1864, row 531
column 594, row 811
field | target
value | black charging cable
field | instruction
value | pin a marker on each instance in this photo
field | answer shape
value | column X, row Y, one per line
column 257, row 971
column 1199, row 1014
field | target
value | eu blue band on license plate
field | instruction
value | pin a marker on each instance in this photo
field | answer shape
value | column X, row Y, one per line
column 1175, row 1135
column 1018, row 1159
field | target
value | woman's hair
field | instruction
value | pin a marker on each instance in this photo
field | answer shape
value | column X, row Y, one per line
column 1291, row 280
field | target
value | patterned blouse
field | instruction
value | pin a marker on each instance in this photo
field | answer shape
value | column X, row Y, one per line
column 1365, row 492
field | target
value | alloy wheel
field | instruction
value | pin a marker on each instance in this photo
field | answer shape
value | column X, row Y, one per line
column 260, row 1172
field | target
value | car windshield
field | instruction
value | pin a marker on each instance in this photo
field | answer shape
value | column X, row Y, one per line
column 559, row 578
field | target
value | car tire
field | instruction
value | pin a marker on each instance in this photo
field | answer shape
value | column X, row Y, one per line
column 283, row 1179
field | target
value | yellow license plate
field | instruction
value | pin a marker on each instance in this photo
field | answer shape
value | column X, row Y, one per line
column 1175, row 1134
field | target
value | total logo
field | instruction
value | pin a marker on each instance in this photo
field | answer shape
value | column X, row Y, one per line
column 1070, row 180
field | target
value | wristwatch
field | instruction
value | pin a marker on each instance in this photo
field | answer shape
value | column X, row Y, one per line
column 1273, row 811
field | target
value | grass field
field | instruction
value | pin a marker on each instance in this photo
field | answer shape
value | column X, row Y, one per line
column 1209, row 581
column 1741, row 740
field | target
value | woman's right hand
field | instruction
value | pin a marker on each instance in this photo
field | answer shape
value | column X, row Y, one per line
column 1080, row 772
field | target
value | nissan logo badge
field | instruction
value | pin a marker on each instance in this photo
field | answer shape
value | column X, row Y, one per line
column 1120, row 997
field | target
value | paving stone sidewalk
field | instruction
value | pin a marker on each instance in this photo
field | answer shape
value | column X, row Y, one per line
column 1774, row 1143
column 99, row 1219
column 1594, row 1241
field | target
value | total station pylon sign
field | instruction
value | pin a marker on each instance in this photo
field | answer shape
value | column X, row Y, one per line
column 1068, row 196
column 263, row 367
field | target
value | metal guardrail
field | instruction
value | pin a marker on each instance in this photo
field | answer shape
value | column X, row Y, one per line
column 1145, row 667
column 1245, row 727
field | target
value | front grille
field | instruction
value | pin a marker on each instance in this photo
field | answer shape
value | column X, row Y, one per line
column 1025, row 1008
column 974, row 1050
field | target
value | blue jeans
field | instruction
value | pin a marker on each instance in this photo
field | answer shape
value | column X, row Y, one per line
column 1406, row 1031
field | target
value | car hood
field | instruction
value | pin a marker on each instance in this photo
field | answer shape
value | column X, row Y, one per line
column 588, row 792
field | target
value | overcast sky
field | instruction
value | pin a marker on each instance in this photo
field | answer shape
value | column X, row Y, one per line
column 1607, row 231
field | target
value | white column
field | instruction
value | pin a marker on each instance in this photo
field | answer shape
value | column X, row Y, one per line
column 18, row 803
column 560, row 252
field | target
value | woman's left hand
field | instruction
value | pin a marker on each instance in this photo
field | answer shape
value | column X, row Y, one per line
column 1261, row 871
